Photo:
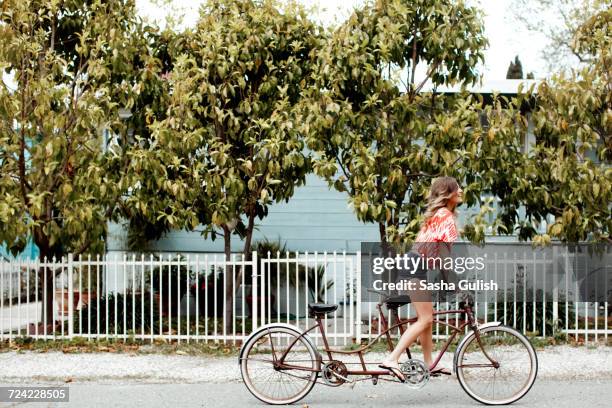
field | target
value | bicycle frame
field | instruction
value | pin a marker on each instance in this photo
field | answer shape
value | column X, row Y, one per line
column 398, row 324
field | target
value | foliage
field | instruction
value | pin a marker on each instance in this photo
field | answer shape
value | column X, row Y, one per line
column 152, row 106
column 170, row 280
column 523, row 314
column 379, row 138
column 90, row 318
column 298, row 274
column 211, row 288
column 73, row 70
column 70, row 68
column 229, row 147
column 566, row 173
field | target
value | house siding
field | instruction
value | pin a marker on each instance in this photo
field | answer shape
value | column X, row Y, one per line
column 316, row 218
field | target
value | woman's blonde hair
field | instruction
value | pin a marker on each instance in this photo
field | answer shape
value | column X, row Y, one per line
column 442, row 189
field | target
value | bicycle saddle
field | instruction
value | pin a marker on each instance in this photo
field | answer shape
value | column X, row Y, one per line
column 321, row 308
column 397, row 301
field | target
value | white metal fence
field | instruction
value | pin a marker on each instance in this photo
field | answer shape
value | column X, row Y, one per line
column 185, row 298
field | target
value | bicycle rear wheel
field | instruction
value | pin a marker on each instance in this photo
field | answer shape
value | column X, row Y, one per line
column 274, row 381
column 509, row 377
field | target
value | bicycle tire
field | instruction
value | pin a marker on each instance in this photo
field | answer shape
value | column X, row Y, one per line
column 263, row 391
column 521, row 341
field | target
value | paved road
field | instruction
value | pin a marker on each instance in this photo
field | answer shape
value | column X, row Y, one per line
column 439, row 393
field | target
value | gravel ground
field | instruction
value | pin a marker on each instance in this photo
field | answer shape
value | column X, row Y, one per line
column 555, row 363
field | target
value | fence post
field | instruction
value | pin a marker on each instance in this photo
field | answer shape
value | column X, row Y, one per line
column 70, row 298
column 262, row 291
column 356, row 303
column 555, row 294
column 254, row 291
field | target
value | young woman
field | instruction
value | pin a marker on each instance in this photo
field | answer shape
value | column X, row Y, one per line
column 439, row 227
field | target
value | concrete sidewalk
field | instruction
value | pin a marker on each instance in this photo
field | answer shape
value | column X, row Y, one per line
column 555, row 363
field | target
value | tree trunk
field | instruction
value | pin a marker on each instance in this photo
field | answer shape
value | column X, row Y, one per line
column 46, row 276
column 233, row 284
column 383, row 232
column 45, row 281
column 248, row 238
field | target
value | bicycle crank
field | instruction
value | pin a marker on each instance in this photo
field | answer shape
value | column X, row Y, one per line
column 334, row 373
column 416, row 373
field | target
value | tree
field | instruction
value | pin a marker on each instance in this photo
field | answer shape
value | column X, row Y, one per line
column 515, row 69
column 70, row 68
column 230, row 145
column 566, row 174
column 378, row 137
column 558, row 21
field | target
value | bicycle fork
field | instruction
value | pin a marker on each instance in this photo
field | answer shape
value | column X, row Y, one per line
column 474, row 327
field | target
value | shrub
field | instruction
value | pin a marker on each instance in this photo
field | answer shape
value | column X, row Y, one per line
column 89, row 316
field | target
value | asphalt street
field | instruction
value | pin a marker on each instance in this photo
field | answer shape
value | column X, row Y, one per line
column 438, row 393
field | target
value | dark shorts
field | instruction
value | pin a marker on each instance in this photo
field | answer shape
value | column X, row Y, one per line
column 414, row 275
column 419, row 274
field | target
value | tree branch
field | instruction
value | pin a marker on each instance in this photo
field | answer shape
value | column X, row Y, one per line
column 23, row 183
column 427, row 76
column 414, row 57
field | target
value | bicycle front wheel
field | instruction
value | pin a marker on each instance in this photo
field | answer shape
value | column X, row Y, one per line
column 498, row 369
column 279, row 366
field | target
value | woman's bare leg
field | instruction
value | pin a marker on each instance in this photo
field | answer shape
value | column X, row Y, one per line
column 424, row 311
column 427, row 344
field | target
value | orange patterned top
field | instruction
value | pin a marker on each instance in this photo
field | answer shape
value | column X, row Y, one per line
column 439, row 228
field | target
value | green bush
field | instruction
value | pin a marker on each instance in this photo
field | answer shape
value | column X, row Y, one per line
column 132, row 303
column 524, row 315
column 171, row 281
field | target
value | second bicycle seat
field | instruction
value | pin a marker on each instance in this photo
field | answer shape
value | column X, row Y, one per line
column 395, row 302
column 321, row 308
